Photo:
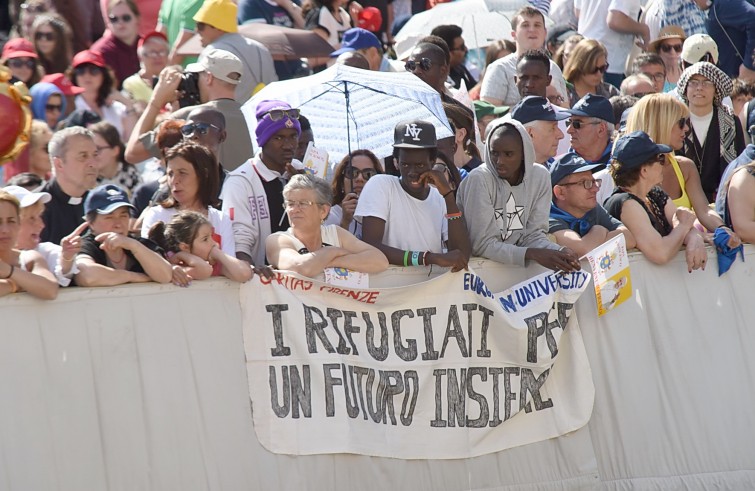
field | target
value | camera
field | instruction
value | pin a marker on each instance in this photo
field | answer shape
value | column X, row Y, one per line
column 189, row 88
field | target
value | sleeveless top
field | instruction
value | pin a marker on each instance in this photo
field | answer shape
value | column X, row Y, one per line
column 329, row 234
column 682, row 200
column 727, row 213
column 657, row 199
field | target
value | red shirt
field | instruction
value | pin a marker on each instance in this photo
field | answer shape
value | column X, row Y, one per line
column 119, row 56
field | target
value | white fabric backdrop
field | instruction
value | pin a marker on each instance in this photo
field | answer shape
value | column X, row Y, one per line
column 144, row 387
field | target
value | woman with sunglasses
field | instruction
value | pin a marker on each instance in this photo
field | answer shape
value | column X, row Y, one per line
column 669, row 47
column 657, row 224
column 584, row 70
column 47, row 103
column 20, row 58
column 118, row 45
column 715, row 137
column 91, row 73
column 666, row 120
column 348, row 182
column 111, row 163
column 53, row 42
column 308, row 247
column 193, row 182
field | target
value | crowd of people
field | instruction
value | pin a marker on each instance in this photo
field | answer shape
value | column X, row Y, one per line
column 619, row 119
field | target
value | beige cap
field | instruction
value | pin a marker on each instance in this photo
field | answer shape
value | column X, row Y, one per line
column 223, row 65
column 696, row 46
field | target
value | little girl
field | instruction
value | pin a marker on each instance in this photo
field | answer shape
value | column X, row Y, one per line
column 187, row 240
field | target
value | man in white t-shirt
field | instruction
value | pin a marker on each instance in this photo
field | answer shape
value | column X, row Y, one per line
column 411, row 222
column 613, row 23
column 498, row 85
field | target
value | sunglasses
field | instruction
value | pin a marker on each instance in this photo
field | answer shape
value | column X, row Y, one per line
column 601, row 69
column 87, row 68
column 666, row 48
column 278, row 114
column 579, row 124
column 21, row 63
column 114, row 19
column 683, row 123
column 351, row 172
column 46, row 36
column 53, row 107
column 660, row 158
column 585, row 183
column 188, row 130
column 424, row 63
column 36, row 9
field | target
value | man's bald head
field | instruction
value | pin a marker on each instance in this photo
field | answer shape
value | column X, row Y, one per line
column 354, row 59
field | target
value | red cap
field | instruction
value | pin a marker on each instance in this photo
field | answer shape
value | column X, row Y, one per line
column 88, row 56
column 370, row 19
column 19, row 48
column 61, row 81
column 150, row 35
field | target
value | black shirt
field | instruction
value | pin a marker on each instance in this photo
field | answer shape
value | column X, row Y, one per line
column 459, row 73
column 62, row 214
column 91, row 248
column 274, row 194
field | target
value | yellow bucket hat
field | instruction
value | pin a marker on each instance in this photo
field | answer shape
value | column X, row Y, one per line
column 220, row 14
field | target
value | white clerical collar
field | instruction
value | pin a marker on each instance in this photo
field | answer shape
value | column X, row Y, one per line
column 74, row 201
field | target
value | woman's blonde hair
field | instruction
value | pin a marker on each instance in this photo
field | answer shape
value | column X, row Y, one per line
column 9, row 198
column 583, row 59
column 656, row 115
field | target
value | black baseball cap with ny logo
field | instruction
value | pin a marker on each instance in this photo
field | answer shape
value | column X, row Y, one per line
column 414, row 134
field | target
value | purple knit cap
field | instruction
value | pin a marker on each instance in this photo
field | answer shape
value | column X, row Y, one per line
column 266, row 127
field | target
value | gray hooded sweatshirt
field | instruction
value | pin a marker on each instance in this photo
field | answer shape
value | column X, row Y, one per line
column 504, row 220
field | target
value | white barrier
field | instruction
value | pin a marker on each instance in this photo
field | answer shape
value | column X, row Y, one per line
column 144, row 387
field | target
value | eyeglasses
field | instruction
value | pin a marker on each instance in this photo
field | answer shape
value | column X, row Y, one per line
column 555, row 99
column 424, row 63
column 278, row 114
column 684, row 122
column 53, row 107
column 155, row 54
column 188, row 130
column 114, row 19
column 351, row 172
column 702, row 84
column 289, row 205
column 22, row 63
column 585, row 183
column 88, row 68
column 577, row 124
column 658, row 77
column 666, row 48
column 601, row 69
column 37, row 9
column 47, row 36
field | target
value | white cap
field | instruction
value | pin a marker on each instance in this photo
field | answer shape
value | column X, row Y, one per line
column 223, row 65
column 696, row 46
column 26, row 197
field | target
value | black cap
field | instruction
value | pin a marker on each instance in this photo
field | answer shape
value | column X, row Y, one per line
column 568, row 164
column 106, row 199
column 536, row 108
column 593, row 106
column 635, row 149
column 414, row 134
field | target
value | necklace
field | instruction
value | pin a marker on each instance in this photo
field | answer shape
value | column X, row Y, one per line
column 698, row 155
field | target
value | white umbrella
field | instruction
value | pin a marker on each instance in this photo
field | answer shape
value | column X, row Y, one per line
column 376, row 102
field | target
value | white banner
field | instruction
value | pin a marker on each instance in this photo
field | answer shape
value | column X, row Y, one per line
column 441, row 370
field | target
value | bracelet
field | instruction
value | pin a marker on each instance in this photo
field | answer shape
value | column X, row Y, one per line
column 406, row 258
column 453, row 216
column 415, row 258
column 12, row 268
column 449, row 192
column 424, row 255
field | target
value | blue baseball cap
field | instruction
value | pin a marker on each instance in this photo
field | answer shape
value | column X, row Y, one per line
column 636, row 148
column 535, row 108
column 568, row 164
column 357, row 38
column 106, row 199
column 593, row 106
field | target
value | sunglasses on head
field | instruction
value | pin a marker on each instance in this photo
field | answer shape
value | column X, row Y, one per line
column 424, row 63
column 114, row 19
column 47, row 36
column 577, row 124
column 351, row 172
column 87, row 68
column 22, row 62
column 666, row 48
column 53, row 107
column 278, row 114
column 189, row 129
column 601, row 69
